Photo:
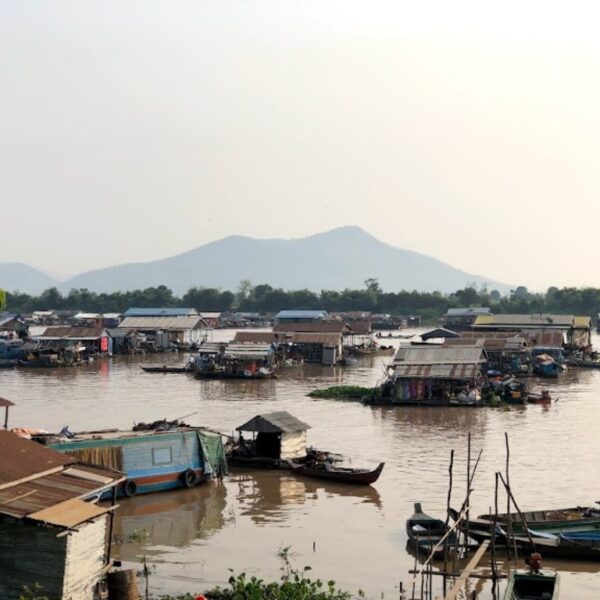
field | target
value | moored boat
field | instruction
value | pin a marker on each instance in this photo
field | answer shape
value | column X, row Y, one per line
column 425, row 533
column 153, row 459
column 328, row 470
column 7, row 364
column 531, row 586
column 167, row 369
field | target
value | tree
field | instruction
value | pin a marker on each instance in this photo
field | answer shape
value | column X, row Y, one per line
column 2, row 300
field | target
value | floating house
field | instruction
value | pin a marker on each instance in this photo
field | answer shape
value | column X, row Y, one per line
column 506, row 354
column 87, row 340
column 313, row 347
column 12, row 327
column 277, row 438
column 161, row 312
column 153, row 460
column 163, row 332
column 434, row 375
column 235, row 361
column 460, row 319
column 577, row 330
column 52, row 534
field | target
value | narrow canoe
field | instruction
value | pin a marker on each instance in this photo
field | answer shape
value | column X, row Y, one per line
column 425, row 532
column 341, row 474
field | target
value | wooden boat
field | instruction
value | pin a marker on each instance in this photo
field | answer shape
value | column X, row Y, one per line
column 331, row 472
column 167, row 369
column 549, row 521
column 531, row 586
column 425, row 532
column 152, row 459
column 7, row 364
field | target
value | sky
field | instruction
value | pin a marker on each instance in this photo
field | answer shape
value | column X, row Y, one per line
column 465, row 130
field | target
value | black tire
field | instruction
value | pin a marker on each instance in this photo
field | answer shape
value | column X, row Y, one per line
column 130, row 488
column 189, row 478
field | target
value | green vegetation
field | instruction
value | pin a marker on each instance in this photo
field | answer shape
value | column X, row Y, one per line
column 350, row 392
column 293, row 585
column 266, row 299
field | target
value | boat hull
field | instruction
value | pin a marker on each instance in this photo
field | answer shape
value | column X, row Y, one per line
column 353, row 476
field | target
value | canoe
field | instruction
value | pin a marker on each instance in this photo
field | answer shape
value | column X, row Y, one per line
column 425, row 532
column 331, row 472
column 531, row 586
column 165, row 369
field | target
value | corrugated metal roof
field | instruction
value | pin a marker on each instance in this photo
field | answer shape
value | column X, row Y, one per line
column 318, row 327
column 301, row 314
column 544, row 338
column 161, row 312
column 492, row 343
column 84, row 315
column 257, row 337
column 34, row 477
column 521, row 321
column 326, row 339
column 458, row 372
column 274, row 422
column 360, row 327
column 76, row 333
column 21, row 458
column 439, row 332
column 69, row 513
column 440, row 355
column 163, row 323
column 467, row 312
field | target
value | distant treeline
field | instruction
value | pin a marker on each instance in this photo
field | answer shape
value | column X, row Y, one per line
column 266, row 299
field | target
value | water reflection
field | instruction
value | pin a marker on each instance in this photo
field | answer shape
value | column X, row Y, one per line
column 175, row 519
column 265, row 496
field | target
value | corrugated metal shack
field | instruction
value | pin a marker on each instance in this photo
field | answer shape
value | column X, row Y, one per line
column 49, row 534
column 323, row 348
column 435, row 375
column 165, row 331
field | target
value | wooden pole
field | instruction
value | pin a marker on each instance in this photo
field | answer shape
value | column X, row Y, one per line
column 448, row 504
column 468, row 499
column 521, row 516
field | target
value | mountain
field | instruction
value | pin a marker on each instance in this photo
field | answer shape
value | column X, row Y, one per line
column 23, row 278
column 337, row 259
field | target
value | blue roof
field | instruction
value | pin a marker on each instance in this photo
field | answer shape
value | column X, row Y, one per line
column 160, row 312
column 301, row 314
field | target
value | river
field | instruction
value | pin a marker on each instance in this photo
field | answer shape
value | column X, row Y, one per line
column 191, row 538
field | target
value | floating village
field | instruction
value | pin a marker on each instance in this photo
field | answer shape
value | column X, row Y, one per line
column 61, row 491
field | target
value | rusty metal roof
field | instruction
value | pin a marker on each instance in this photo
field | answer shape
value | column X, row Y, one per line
column 318, row 327
column 34, row 478
column 457, row 372
column 268, row 337
column 446, row 355
column 76, row 333
column 21, row 458
column 163, row 323
column 274, row 422
column 543, row 320
column 258, row 337
column 544, row 338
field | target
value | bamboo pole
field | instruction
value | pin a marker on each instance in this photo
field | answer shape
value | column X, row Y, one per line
column 521, row 516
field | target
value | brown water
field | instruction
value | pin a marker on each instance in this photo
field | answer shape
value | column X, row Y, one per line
column 355, row 536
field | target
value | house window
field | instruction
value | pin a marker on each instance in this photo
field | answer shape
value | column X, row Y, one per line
column 162, row 456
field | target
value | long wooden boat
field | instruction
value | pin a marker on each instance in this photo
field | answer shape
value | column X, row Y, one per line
column 332, row 472
column 562, row 545
column 167, row 369
column 550, row 521
column 531, row 586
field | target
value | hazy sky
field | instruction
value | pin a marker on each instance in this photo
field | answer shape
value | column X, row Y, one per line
column 464, row 130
